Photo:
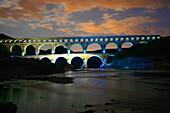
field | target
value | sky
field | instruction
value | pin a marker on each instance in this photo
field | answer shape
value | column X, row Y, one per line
column 69, row 18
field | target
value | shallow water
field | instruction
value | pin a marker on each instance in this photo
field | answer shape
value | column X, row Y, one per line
column 144, row 90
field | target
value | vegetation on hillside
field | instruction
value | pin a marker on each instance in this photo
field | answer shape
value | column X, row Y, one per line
column 3, row 36
column 156, row 51
column 155, row 48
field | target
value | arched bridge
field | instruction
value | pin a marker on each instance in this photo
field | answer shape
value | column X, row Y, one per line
column 69, row 42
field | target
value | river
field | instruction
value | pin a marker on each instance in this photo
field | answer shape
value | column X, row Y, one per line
column 101, row 91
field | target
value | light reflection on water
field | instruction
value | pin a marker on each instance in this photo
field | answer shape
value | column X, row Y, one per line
column 89, row 87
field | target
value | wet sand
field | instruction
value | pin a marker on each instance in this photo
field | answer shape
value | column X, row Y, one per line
column 94, row 92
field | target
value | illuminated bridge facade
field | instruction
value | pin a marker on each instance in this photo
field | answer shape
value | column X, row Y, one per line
column 68, row 42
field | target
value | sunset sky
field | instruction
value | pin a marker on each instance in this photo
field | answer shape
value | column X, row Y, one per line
column 63, row 18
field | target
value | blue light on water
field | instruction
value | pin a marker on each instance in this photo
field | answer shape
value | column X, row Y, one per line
column 84, row 51
column 126, row 67
column 104, row 51
column 23, row 53
column 68, row 51
column 36, row 53
column 51, row 61
column 119, row 49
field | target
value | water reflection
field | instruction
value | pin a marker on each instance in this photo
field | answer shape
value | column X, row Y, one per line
column 89, row 87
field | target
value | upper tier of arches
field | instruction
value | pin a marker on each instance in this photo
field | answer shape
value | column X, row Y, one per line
column 78, row 44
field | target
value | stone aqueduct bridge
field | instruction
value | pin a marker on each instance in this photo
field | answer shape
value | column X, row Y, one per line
column 68, row 42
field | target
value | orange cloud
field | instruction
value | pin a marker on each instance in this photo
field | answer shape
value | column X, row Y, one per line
column 27, row 9
column 63, row 20
column 38, row 25
column 7, row 24
column 65, row 30
column 81, row 5
column 106, row 16
column 132, row 25
column 89, row 27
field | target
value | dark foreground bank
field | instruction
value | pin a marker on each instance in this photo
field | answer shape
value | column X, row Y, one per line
column 8, row 107
column 11, row 68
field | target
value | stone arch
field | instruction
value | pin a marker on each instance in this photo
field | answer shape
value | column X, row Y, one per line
column 63, row 47
column 60, row 60
column 45, row 59
column 48, row 51
column 32, row 51
column 60, row 45
column 127, row 46
column 4, row 51
column 77, row 61
column 143, row 42
column 79, row 45
column 94, row 50
column 91, row 63
column 112, row 49
column 16, row 50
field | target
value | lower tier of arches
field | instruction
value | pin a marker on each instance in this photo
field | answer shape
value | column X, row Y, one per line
column 84, row 60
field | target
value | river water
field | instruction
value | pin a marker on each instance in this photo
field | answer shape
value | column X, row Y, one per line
column 107, row 91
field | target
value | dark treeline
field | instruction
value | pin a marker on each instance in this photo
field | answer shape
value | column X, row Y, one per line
column 4, row 52
column 155, row 48
column 3, row 36
column 18, row 67
column 156, row 51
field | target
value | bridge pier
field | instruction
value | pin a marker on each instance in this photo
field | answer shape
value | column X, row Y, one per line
column 84, row 62
column 104, row 62
column 119, row 47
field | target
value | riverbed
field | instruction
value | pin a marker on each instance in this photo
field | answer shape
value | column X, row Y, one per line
column 93, row 90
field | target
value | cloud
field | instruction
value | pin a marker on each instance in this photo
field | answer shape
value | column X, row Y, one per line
column 38, row 25
column 63, row 20
column 106, row 16
column 27, row 9
column 65, row 30
column 23, row 9
column 89, row 27
column 41, row 10
column 7, row 24
column 119, row 5
column 8, row 3
column 131, row 25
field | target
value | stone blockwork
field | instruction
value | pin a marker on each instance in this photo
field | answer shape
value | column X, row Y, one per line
column 53, row 42
column 68, row 42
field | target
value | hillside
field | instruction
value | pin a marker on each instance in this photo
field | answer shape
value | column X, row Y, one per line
column 155, row 52
column 3, row 36
column 155, row 48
